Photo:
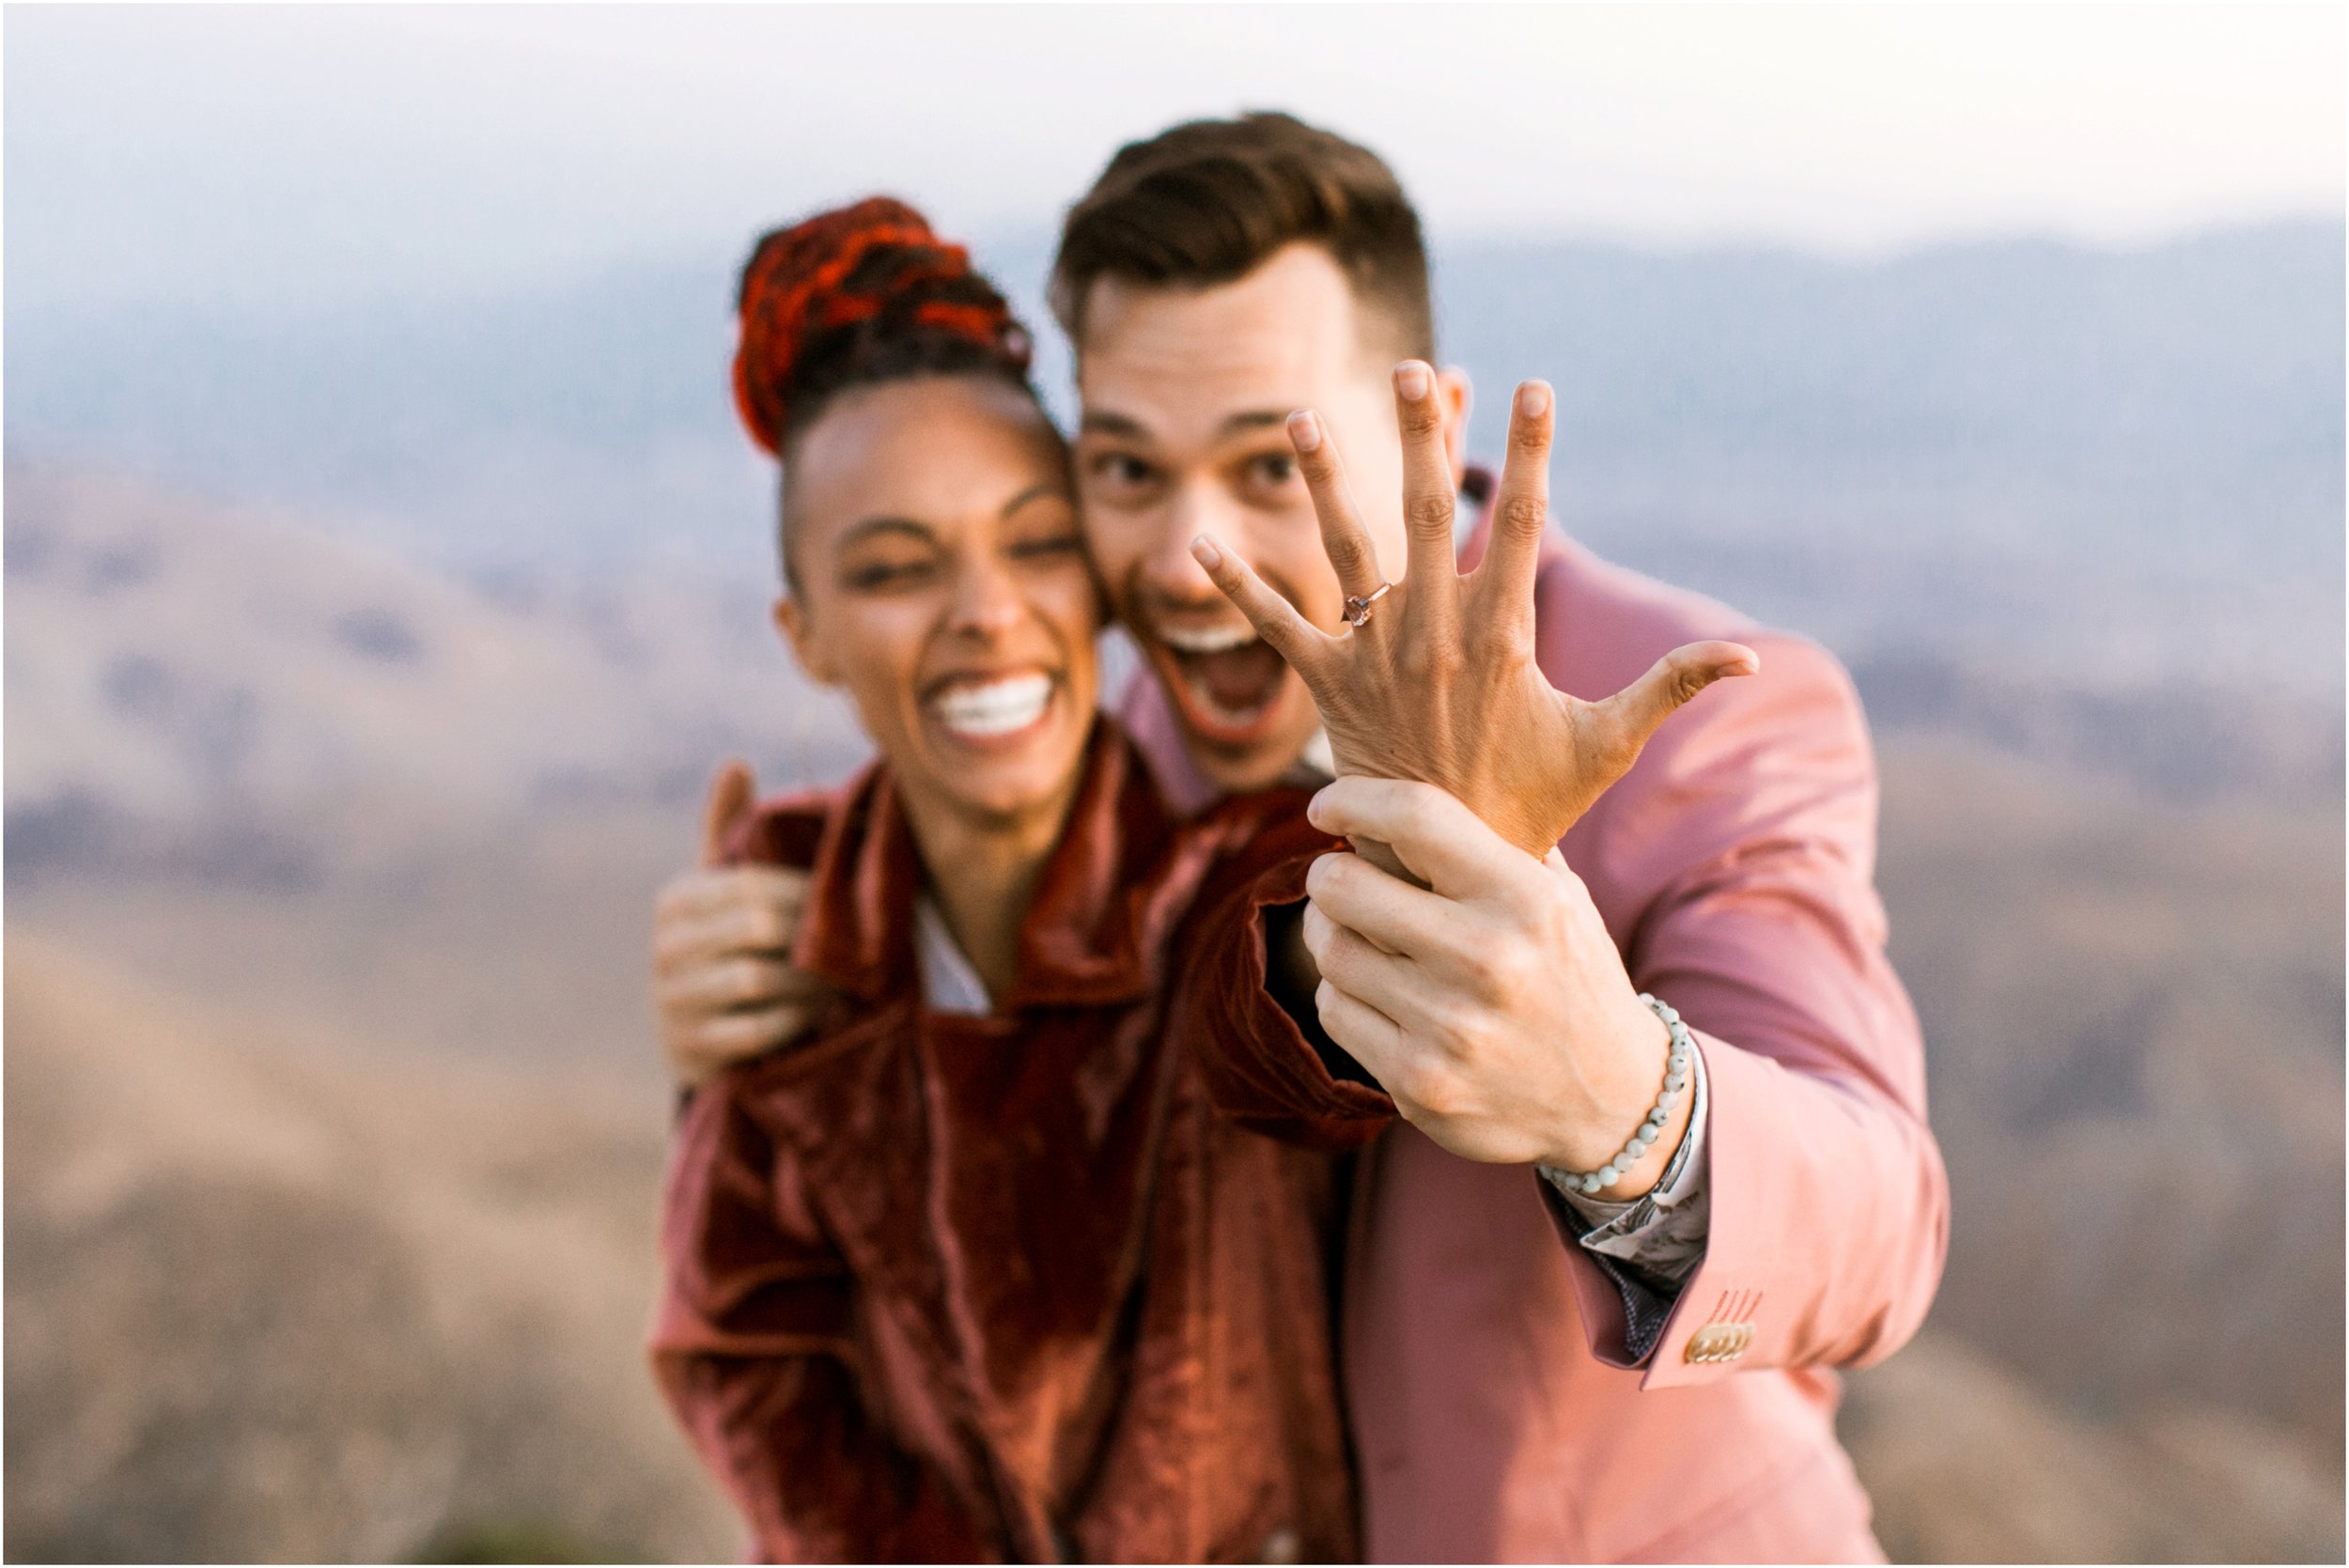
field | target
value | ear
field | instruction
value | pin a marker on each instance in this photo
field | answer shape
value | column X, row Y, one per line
column 809, row 649
column 1452, row 388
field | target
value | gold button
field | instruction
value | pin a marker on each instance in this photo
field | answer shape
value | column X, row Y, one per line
column 1718, row 1342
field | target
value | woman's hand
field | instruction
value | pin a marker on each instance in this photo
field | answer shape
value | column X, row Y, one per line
column 1437, row 681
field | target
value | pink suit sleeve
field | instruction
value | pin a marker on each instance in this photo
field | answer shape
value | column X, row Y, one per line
column 1734, row 866
column 1829, row 1205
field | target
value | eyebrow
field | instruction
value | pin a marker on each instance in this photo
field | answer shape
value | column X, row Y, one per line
column 1034, row 492
column 871, row 526
column 1108, row 424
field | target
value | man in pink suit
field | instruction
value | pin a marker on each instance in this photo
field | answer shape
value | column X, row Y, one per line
column 1586, row 1316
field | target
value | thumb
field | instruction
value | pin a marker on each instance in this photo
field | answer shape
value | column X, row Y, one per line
column 1634, row 713
column 731, row 793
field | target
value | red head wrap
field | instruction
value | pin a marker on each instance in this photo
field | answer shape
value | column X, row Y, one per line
column 798, row 284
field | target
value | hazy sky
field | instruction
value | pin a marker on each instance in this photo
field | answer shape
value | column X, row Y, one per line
column 314, row 156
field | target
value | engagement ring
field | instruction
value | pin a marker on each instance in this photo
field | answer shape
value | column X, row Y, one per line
column 1357, row 609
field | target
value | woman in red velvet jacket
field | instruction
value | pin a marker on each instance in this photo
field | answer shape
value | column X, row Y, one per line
column 972, row 1272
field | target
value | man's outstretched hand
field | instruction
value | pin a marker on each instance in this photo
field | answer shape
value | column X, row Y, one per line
column 1461, row 962
column 1440, row 683
column 723, row 983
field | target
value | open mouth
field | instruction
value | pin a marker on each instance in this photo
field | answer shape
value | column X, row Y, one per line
column 991, row 711
column 1227, row 678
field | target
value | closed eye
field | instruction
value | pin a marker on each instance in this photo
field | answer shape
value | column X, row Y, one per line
column 1054, row 545
column 877, row 576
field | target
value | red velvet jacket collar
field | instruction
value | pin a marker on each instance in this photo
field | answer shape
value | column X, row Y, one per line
column 1081, row 944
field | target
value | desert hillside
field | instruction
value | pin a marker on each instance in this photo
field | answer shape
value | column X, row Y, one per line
column 1969, row 1461
column 2133, row 1015
column 272, row 1298
column 432, row 805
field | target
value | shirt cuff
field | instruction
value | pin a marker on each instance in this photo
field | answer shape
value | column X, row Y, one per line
column 1654, row 1242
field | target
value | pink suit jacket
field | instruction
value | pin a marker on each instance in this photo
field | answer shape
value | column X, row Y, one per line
column 1494, row 1415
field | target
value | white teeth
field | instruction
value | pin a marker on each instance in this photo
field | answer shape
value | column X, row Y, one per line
column 1213, row 639
column 997, row 708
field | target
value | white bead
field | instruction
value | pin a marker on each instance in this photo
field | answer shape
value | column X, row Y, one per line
column 1608, row 1175
column 1592, row 1183
column 1675, row 1082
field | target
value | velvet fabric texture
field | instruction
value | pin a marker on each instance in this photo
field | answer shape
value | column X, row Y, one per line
column 1004, row 1287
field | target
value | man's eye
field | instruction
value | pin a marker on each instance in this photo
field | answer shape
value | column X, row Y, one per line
column 1122, row 470
column 1275, row 468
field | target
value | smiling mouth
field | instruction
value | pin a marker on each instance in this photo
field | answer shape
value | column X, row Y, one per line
column 985, row 710
column 1228, row 679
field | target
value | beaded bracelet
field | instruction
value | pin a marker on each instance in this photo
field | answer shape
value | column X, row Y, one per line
column 1675, row 1083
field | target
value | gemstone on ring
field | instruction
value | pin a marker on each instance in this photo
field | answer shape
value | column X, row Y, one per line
column 1358, row 608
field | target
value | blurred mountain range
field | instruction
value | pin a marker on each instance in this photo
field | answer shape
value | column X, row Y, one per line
column 369, row 770
column 2123, row 469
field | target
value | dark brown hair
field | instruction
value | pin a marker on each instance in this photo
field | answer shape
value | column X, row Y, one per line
column 1205, row 202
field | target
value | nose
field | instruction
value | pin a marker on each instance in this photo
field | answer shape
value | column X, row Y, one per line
column 1169, row 573
column 987, row 600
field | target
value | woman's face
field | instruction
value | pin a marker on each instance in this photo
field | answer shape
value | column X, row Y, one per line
column 943, row 581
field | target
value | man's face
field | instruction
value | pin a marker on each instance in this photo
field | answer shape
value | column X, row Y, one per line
column 1185, row 395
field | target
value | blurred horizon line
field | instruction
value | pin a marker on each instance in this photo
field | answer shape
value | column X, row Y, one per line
column 1028, row 241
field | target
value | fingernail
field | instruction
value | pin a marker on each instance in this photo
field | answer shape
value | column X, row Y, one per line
column 1410, row 380
column 1533, row 400
column 1305, row 430
column 1313, row 809
column 1203, row 551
